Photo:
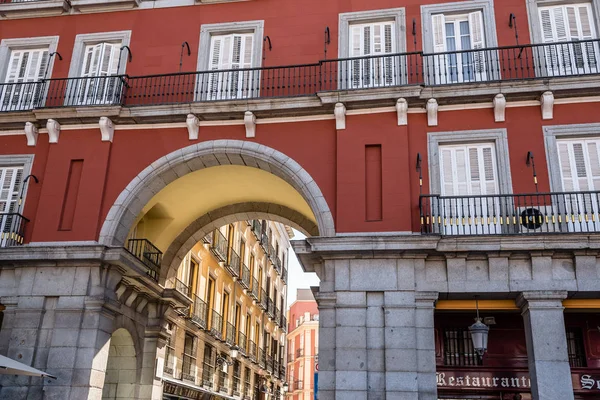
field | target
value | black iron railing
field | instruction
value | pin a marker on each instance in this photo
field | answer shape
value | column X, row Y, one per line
column 252, row 351
column 183, row 288
column 208, row 239
column 216, row 325
column 458, row 348
column 242, row 343
column 269, row 363
column 245, row 281
column 148, row 254
column 255, row 289
column 270, row 307
column 263, row 299
column 264, row 241
column 282, row 371
column 88, row 91
column 12, row 226
column 233, row 264
column 261, row 358
column 199, row 314
column 557, row 212
column 283, row 322
column 276, row 367
column 230, row 334
column 256, row 228
column 219, row 245
column 271, row 253
column 277, row 316
column 284, row 275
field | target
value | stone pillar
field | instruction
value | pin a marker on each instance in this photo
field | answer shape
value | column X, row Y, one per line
column 424, row 326
column 327, row 340
column 546, row 344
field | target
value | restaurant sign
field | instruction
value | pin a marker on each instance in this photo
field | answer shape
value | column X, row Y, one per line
column 508, row 380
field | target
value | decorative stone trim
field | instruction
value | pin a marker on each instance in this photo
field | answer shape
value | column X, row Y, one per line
column 499, row 108
column 89, row 6
column 53, row 130
column 432, row 112
column 193, row 126
column 250, row 123
column 154, row 178
column 31, row 132
column 107, row 129
column 402, row 110
column 7, row 45
column 398, row 15
column 498, row 136
column 340, row 116
column 547, row 100
column 32, row 9
column 554, row 132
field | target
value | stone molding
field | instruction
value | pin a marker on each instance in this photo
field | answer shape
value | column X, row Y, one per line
column 548, row 299
column 107, row 129
column 402, row 111
column 193, row 126
column 31, row 132
column 499, row 108
column 166, row 169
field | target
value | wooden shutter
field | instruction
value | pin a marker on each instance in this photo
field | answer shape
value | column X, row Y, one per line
column 477, row 41
column 27, row 65
column 11, row 179
column 468, row 170
column 438, row 22
column 579, row 164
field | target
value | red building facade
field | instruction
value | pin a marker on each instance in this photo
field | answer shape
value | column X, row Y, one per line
column 429, row 150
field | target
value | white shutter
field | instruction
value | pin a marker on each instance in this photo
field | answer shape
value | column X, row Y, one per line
column 27, row 65
column 439, row 33
column 468, row 170
column 579, row 164
column 477, row 42
column 11, row 179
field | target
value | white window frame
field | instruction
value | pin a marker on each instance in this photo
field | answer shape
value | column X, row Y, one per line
column 533, row 12
column 207, row 31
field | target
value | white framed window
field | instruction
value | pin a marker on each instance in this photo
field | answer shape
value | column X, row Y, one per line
column 469, row 169
column 13, row 170
column 96, row 68
column 371, row 44
column 568, row 23
column 225, row 49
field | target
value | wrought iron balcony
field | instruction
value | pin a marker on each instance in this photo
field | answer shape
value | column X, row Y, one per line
column 242, row 343
column 219, row 245
column 284, row 275
column 245, row 281
column 252, row 351
column 199, row 314
column 269, row 363
column 183, row 288
column 256, row 228
column 277, row 317
column 282, row 371
column 510, row 214
column 255, row 289
column 261, row 358
column 148, row 254
column 216, row 325
column 263, row 299
column 230, row 334
column 283, row 325
column 272, row 255
column 264, row 241
column 233, row 263
column 270, row 308
column 13, row 229
column 276, row 367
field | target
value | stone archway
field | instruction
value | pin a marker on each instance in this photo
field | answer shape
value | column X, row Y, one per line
column 208, row 154
column 120, row 382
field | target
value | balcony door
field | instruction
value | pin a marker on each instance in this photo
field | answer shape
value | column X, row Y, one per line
column 568, row 23
column 580, row 172
column 11, row 179
column 229, row 53
column 369, row 66
column 99, row 84
column 470, row 171
column 20, row 90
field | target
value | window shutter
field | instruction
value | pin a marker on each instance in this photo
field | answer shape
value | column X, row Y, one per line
column 215, row 59
column 439, row 33
column 248, row 45
column 547, row 28
column 446, row 170
column 579, row 164
column 585, row 17
column 11, row 179
column 468, row 170
column 460, row 167
column 477, row 40
column 560, row 27
column 565, row 166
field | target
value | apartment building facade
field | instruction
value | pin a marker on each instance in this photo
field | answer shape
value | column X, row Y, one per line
column 302, row 345
column 440, row 156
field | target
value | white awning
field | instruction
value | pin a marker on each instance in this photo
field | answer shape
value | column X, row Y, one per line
column 8, row 366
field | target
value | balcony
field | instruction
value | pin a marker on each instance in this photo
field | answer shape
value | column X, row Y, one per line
column 264, row 241
column 284, row 275
column 269, row 363
column 511, row 214
column 31, row 8
column 263, row 300
column 299, row 353
column 298, row 385
column 233, row 264
column 219, row 246
column 277, row 317
column 183, row 288
column 261, row 358
column 148, row 254
column 216, row 325
column 272, row 254
column 199, row 314
column 254, row 293
column 252, row 351
column 245, row 281
column 230, row 334
column 256, row 228
column 242, row 343
column 282, row 371
column 270, row 308
column 276, row 368
column 283, row 324
column 12, row 226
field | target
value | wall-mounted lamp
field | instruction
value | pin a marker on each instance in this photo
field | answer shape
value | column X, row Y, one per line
column 189, row 53
column 129, row 57
column 512, row 23
column 327, row 40
column 266, row 40
column 54, row 53
column 414, row 32
column 531, row 162
column 479, row 334
column 420, row 171
column 20, row 203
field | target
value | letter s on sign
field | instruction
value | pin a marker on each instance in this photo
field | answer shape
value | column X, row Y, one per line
column 587, row 382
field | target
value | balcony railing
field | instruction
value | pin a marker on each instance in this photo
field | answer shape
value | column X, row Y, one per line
column 183, row 288
column 219, row 245
column 242, row 343
column 299, row 353
column 256, row 228
column 148, row 254
column 252, row 351
column 283, row 322
column 263, row 299
column 272, row 255
column 245, row 281
column 216, row 325
column 12, row 226
column 510, row 214
column 270, row 308
column 277, row 316
column 208, row 371
column 508, row 63
column 261, row 358
column 269, row 363
column 298, row 385
column 230, row 334
column 275, row 367
column 282, row 371
column 284, row 275
column 199, row 314
column 233, row 265
column 255, row 289
column 264, row 241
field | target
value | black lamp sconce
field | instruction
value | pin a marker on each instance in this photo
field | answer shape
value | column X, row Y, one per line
column 189, row 53
column 54, row 53
column 530, row 162
column 512, row 23
column 129, row 57
column 414, row 32
column 327, row 40
column 266, row 40
column 420, row 171
column 20, row 203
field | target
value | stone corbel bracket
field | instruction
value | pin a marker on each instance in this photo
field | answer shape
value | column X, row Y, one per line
column 31, row 132
column 53, row 130
column 500, row 108
column 547, row 101
column 340, row 116
column 107, row 129
column 432, row 112
column 402, row 110
column 193, row 126
column 250, row 123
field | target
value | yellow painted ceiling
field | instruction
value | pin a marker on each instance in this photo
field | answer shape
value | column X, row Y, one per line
column 188, row 198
